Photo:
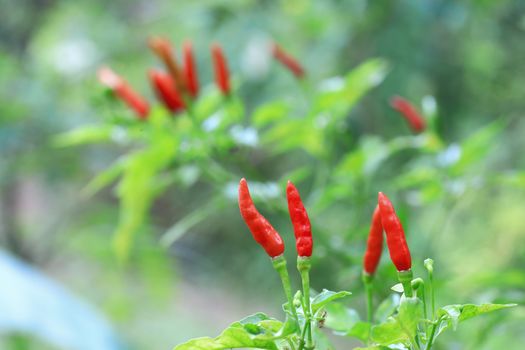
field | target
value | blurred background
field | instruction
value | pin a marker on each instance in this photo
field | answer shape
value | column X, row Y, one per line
column 461, row 201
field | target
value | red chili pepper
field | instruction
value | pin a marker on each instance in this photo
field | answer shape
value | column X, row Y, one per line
column 190, row 70
column 124, row 91
column 222, row 76
column 162, row 48
column 409, row 112
column 374, row 246
column 395, row 236
column 261, row 229
column 166, row 90
column 300, row 221
column 288, row 61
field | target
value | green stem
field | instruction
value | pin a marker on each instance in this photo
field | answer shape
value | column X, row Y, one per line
column 405, row 277
column 367, row 280
column 279, row 264
column 429, row 265
column 304, row 265
column 432, row 334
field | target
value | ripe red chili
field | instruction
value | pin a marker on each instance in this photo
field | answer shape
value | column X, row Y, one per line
column 124, row 91
column 409, row 112
column 162, row 48
column 166, row 90
column 288, row 61
column 190, row 69
column 300, row 221
column 262, row 231
column 374, row 246
column 395, row 236
column 222, row 75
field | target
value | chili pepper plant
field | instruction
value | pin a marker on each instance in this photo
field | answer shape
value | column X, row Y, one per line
column 412, row 321
column 201, row 135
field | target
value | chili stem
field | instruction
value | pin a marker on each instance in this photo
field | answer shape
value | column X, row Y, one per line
column 367, row 280
column 432, row 334
column 405, row 277
column 303, row 265
column 279, row 264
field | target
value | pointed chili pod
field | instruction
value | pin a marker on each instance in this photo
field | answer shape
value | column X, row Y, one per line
column 163, row 49
column 262, row 231
column 288, row 61
column 395, row 235
column 222, row 75
column 124, row 91
column 300, row 221
column 166, row 90
column 409, row 112
column 374, row 246
column 190, row 70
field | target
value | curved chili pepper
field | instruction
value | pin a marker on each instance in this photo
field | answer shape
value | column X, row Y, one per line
column 262, row 231
column 166, row 90
column 222, row 75
column 374, row 246
column 300, row 221
column 288, row 61
column 163, row 49
column 190, row 70
column 395, row 236
column 124, row 91
column 409, row 112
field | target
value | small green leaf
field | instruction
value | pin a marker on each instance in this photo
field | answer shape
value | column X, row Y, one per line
column 397, row 288
column 389, row 332
column 270, row 112
column 387, row 308
column 85, row 134
column 325, row 297
column 340, row 318
column 255, row 331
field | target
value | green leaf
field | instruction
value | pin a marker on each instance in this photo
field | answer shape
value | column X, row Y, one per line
column 325, row 297
column 86, row 134
column 454, row 314
column 338, row 96
column 410, row 312
column 476, row 147
column 104, row 178
column 389, row 332
column 256, row 331
column 387, row 308
column 270, row 112
column 340, row 318
column 360, row 330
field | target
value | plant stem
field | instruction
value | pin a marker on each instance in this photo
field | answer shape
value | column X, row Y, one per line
column 279, row 264
column 367, row 280
column 304, row 265
column 432, row 334
column 429, row 265
column 405, row 277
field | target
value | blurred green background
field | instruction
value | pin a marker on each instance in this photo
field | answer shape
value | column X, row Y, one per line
column 466, row 57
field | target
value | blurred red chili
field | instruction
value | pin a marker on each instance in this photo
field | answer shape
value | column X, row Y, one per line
column 166, row 90
column 409, row 112
column 190, row 69
column 300, row 221
column 287, row 60
column 374, row 246
column 222, row 75
column 163, row 49
column 395, row 235
column 262, row 231
column 124, row 91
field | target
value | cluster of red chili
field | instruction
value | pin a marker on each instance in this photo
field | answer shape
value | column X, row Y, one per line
column 384, row 217
column 180, row 85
